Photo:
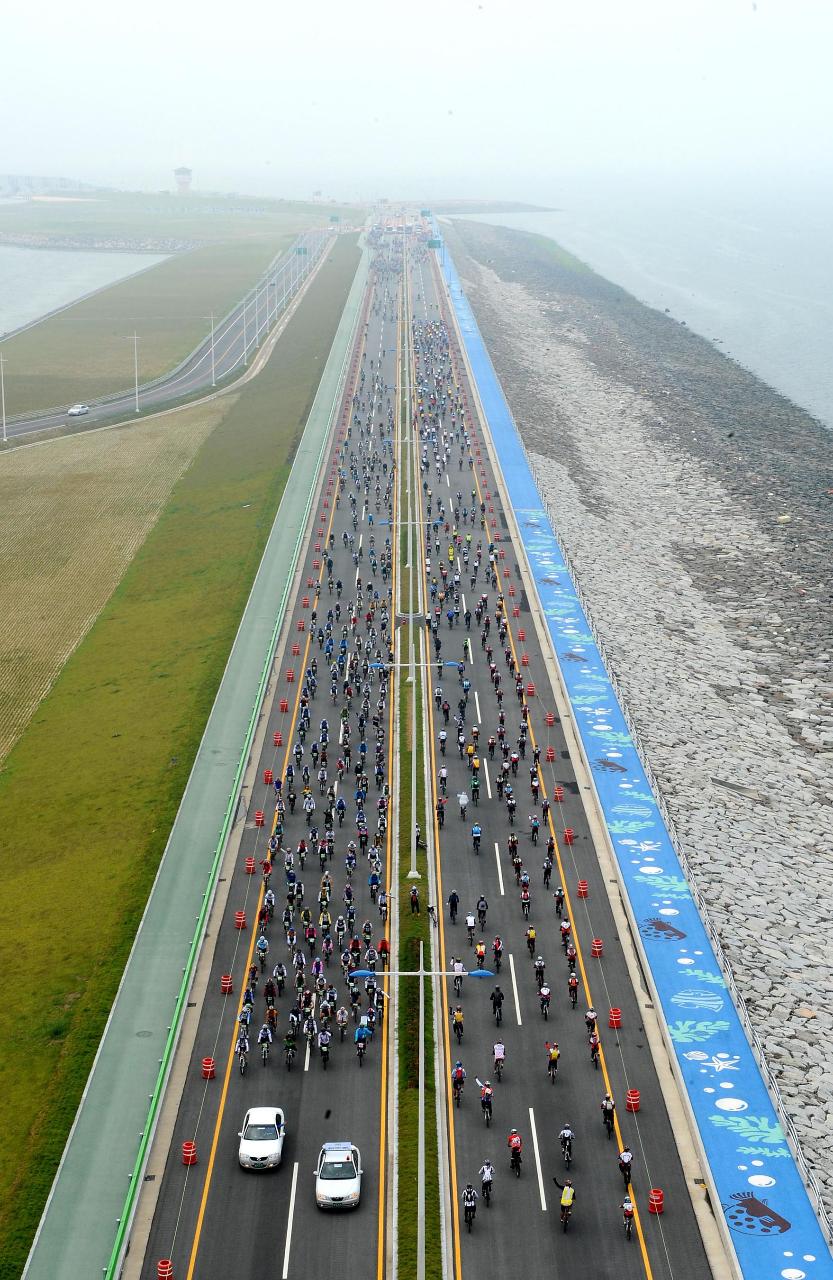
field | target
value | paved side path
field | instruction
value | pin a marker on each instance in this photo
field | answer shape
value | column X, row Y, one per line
column 76, row 1233
column 767, row 1217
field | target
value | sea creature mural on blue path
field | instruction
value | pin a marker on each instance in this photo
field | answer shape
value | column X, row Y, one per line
column 686, row 1031
column 753, row 1216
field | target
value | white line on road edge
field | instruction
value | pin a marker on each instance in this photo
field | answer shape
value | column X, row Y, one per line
column 499, row 872
column 285, row 1271
column 515, row 989
column 488, row 781
column 477, row 709
column 537, row 1159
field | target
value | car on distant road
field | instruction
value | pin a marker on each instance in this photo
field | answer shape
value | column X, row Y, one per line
column 77, row 410
column 261, row 1138
column 338, row 1176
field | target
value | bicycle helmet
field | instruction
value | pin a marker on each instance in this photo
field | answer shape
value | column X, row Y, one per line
column 458, row 1064
column 512, row 1132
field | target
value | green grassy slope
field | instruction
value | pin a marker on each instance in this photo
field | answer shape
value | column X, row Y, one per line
column 89, row 792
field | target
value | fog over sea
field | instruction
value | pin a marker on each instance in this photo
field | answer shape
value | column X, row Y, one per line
column 753, row 271
column 34, row 282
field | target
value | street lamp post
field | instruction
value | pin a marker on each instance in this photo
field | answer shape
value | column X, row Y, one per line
column 3, row 396
column 136, row 367
column 422, row 973
column 213, row 377
column 245, row 333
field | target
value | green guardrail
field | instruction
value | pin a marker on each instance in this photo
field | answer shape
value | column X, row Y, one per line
column 125, row 1221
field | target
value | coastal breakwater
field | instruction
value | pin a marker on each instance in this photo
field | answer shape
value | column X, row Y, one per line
column 694, row 503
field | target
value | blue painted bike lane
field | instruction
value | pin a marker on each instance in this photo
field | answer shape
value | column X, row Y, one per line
column 770, row 1218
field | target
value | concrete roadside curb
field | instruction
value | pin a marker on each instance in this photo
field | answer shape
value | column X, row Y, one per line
column 146, row 1207
column 686, row 1138
column 76, row 1232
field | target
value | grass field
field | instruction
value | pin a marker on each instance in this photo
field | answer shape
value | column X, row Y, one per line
column 52, row 550
column 89, row 792
column 87, row 350
column 152, row 219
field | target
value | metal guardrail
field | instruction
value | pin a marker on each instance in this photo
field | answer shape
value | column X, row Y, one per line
column 113, row 1268
column 204, row 346
column 738, row 1000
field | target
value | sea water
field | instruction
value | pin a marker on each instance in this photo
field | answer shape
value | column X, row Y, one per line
column 34, row 282
column 750, row 270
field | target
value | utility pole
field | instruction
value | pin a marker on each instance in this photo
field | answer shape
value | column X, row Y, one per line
column 245, row 333
column 3, row 396
column 213, row 378
column 136, row 366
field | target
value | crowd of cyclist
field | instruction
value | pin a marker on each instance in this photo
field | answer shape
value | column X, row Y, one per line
column 461, row 557
column 322, row 927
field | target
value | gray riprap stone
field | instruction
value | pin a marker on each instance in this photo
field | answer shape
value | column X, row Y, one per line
column 716, row 617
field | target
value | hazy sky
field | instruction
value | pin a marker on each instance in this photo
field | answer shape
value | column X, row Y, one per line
column 507, row 98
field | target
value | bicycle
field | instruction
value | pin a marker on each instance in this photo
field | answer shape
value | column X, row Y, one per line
column 607, row 1121
column 458, row 1031
column 457, row 1090
column 486, row 1188
column 243, row 1062
column 264, row 1052
column 567, row 1151
column 469, row 1212
column 566, row 1210
column 498, row 1068
column 627, row 1219
column 515, row 1163
column 552, row 1068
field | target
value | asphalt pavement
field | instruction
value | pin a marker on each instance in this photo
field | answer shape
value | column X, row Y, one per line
column 236, row 339
column 522, row 1225
column 214, row 1219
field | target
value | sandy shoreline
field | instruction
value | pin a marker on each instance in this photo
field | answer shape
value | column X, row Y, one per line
column 696, row 504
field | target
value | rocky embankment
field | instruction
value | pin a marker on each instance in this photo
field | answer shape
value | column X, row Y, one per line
column 697, row 506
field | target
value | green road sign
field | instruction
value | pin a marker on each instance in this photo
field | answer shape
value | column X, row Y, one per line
column 334, row 217
column 425, row 213
column 435, row 244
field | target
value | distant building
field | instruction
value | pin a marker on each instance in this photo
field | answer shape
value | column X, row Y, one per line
column 183, row 179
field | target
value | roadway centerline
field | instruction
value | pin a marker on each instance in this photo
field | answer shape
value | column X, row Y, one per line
column 537, row 1159
column 515, row 988
column 497, row 858
column 288, row 1245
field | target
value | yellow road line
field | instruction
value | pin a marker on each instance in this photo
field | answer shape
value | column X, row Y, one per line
column 192, row 1262
column 383, row 1098
column 455, row 1213
column 576, row 940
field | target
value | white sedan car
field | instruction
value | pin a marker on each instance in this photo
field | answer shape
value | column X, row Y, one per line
column 77, row 410
column 261, row 1138
column 338, row 1176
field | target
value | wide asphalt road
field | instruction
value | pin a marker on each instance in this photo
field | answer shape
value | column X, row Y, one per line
column 237, row 337
column 521, row 1231
column 213, row 1219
